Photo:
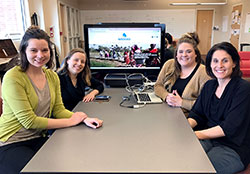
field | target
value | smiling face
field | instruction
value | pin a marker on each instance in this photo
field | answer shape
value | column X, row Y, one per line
column 222, row 65
column 186, row 55
column 37, row 52
column 76, row 63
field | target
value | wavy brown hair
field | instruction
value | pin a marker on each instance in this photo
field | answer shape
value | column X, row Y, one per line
column 85, row 73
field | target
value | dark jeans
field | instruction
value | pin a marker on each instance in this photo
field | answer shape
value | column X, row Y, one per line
column 13, row 157
column 224, row 159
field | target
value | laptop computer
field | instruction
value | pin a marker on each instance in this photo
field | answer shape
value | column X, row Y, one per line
column 146, row 97
column 142, row 96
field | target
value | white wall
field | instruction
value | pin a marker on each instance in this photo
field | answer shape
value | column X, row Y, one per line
column 37, row 6
column 52, row 20
column 177, row 22
column 227, row 11
column 47, row 12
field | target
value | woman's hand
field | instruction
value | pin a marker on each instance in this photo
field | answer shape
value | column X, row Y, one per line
column 93, row 122
column 77, row 118
column 90, row 97
column 174, row 99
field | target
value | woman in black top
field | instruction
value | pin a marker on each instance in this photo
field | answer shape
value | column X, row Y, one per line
column 222, row 111
column 75, row 76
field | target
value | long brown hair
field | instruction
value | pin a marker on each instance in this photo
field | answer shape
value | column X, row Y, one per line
column 85, row 73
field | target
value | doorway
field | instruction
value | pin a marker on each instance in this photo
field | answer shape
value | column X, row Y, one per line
column 204, row 29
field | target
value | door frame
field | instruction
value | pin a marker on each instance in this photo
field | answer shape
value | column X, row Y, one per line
column 213, row 20
column 66, row 25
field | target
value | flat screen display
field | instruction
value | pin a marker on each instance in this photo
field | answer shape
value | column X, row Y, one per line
column 124, row 46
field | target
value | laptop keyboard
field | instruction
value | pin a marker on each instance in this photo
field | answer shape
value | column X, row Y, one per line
column 144, row 97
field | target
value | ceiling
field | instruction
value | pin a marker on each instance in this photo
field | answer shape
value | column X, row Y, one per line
column 136, row 4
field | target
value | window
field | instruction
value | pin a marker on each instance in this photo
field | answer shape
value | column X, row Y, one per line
column 13, row 21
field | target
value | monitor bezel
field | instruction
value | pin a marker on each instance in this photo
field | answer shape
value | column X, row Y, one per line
column 124, row 25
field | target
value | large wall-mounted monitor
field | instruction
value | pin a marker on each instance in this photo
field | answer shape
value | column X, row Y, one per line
column 124, row 46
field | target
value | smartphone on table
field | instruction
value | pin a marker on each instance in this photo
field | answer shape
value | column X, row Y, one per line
column 102, row 98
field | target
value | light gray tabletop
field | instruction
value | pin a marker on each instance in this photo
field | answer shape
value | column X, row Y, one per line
column 152, row 139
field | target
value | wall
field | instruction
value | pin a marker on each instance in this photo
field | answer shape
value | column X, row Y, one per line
column 173, row 21
column 217, row 34
column 52, row 20
column 47, row 12
column 37, row 6
column 245, row 37
column 227, row 11
column 137, row 4
column 48, row 16
column 177, row 21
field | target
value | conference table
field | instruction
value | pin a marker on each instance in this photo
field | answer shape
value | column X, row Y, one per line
column 153, row 139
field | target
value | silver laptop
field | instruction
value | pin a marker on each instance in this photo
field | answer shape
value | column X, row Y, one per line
column 146, row 97
column 143, row 97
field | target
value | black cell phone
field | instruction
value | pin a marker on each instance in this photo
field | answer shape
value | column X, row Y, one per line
column 102, row 98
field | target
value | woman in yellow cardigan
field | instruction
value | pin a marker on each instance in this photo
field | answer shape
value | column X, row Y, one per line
column 31, row 94
column 181, row 79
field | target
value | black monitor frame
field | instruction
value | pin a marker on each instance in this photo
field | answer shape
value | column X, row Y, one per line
column 147, row 70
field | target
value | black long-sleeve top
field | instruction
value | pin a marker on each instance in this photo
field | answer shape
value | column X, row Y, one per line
column 231, row 112
column 72, row 95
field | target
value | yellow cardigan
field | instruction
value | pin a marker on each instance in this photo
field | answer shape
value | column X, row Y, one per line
column 20, row 101
column 192, row 89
